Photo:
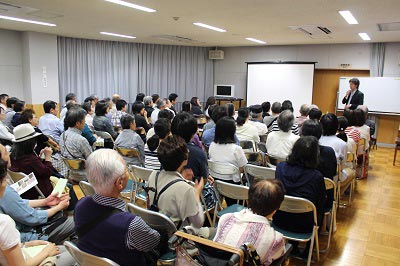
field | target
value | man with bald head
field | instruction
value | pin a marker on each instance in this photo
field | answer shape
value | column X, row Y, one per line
column 103, row 226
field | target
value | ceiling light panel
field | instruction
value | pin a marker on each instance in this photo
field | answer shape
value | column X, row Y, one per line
column 208, row 27
column 346, row 14
column 255, row 40
column 117, row 35
column 127, row 4
column 28, row 21
column 364, row 36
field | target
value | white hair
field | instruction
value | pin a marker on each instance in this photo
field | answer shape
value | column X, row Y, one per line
column 103, row 167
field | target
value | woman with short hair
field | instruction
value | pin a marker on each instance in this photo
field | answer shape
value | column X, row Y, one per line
column 244, row 130
column 102, row 123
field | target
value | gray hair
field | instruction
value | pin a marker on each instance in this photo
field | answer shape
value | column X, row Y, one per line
column 103, row 167
column 276, row 107
column 160, row 103
column 304, row 109
column 364, row 108
column 147, row 100
column 285, row 120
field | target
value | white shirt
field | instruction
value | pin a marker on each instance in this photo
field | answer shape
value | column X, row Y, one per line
column 154, row 115
column 9, row 236
column 247, row 132
column 227, row 153
column 338, row 145
column 261, row 127
column 279, row 144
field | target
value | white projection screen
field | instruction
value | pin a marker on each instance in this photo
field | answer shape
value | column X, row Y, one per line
column 276, row 82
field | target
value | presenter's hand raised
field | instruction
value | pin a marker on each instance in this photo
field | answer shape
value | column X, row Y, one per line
column 348, row 93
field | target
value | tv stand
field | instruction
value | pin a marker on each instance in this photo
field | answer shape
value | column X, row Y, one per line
column 237, row 102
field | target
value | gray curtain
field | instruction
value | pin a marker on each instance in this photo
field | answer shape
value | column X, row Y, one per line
column 104, row 68
column 377, row 59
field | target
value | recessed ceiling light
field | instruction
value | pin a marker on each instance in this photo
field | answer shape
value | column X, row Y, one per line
column 118, row 35
column 28, row 21
column 208, row 27
column 364, row 36
column 255, row 40
column 346, row 14
column 123, row 3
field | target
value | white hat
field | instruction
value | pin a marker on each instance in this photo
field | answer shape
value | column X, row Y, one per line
column 24, row 132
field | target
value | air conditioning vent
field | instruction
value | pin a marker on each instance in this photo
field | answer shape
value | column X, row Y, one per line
column 8, row 7
column 313, row 32
column 216, row 54
column 174, row 38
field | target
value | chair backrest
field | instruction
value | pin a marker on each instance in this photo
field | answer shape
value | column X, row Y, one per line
column 155, row 220
column 129, row 152
column 298, row 205
column 247, row 145
column 222, row 168
column 330, row 184
column 86, row 188
column 259, row 171
column 86, row 259
column 256, row 158
column 237, row 192
column 74, row 164
column 15, row 176
column 361, row 146
column 104, row 135
column 141, row 172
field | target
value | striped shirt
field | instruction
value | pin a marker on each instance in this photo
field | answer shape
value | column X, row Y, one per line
column 274, row 127
column 353, row 133
column 236, row 229
column 151, row 160
column 139, row 235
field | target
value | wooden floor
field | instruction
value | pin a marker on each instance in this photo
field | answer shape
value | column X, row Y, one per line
column 368, row 232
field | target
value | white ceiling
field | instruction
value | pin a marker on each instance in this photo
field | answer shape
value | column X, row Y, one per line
column 267, row 20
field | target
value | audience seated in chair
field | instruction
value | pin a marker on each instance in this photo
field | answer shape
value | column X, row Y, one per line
column 279, row 143
column 118, row 235
column 148, row 106
column 196, row 106
column 19, row 106
column 120, row 106
column 224, row 149
column 256, row 119
column 301, row 178
column 330, row 126
column 73, row 144
column 275, row 111
column 252, row 225
column 102, row 123
column 286, row 105
column 128, row 138
column 304, row 110
column 162, row 129
column 49, row 123
column 180, row 201
column 244, row 130
column 24, row 159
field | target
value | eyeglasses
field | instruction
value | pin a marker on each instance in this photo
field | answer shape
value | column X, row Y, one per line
column 121, row 175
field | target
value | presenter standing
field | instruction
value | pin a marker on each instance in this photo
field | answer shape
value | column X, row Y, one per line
column 353, row 97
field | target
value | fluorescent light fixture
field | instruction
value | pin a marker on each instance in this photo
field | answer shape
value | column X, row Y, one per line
column 28, row 21
column 255, row 40
column 346, row 14
column 364, row 36
column 123, row 3
column 118, row 35
column 208, row 27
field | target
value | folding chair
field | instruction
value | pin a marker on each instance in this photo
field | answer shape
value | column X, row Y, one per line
column 141, row 176
column 86, row 188
column 104, row 135
column 76, row 169
column 247, row 145
column 299, row 205
column 159, row 222
column 262, row 147
column 86, row 259
column 329, row 184
column 129, row 153
column 361, row 152
column 263, row 138
column 16, row 176
column 255, row 158
column 349, row 182
column 258, row 173
column 237, row 192
column 223, row 171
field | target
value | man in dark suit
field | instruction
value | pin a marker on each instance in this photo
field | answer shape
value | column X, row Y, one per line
column 353, row 97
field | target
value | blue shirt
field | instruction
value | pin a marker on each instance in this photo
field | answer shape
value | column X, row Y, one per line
column 209, row 134
column 50, row 125
column 25, row 217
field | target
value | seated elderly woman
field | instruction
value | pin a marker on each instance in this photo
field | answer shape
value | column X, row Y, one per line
column 24, row 159
column 279, row 143
column 128, row 138
column 301, row 178
column 103, row 123
column 235, row 229
column 180, row 201
column 131, row 237
column 33, row 223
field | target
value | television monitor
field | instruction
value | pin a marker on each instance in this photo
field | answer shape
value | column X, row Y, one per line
column 224, row 90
